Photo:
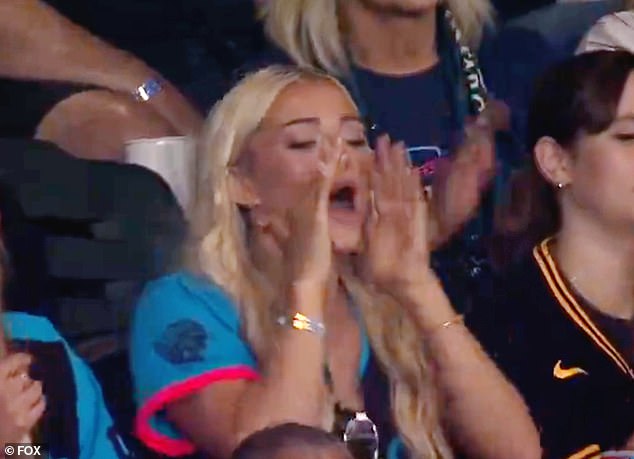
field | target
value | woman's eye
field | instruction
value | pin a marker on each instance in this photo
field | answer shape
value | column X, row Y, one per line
column 624, row 137
column 306, row 145
column 359, row 143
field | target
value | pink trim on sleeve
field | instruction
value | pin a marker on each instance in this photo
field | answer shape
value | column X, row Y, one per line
column 173, row 447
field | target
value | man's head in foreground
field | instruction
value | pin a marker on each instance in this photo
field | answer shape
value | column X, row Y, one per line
column 291, row 441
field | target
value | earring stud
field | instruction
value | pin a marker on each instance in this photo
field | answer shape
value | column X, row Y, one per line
column 560, row 186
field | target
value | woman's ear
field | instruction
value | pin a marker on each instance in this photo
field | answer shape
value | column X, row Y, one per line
column 553, row 162
column 241, row 188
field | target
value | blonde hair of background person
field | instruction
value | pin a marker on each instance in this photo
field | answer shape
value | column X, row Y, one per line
column 312, row 32
column 219, row 252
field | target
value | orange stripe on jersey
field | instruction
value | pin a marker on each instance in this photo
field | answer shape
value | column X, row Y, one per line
column 589, row 452
column 571, row 306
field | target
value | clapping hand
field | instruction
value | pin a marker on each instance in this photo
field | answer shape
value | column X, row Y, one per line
column 396, row 253
column 458, row 184
column 22, row 403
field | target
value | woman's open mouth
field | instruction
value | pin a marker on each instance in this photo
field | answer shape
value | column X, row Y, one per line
column 342, row 198
column 344, row 205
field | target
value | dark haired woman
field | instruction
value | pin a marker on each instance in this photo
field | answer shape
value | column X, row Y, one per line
column 560, row 325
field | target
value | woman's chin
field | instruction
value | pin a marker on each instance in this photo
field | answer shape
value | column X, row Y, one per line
column 345, row 244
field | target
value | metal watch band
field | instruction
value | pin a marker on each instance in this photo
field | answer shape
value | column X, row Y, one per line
column 148, row 89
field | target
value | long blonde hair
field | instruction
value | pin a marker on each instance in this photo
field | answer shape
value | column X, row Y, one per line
column 310, row 31
column 219, row 251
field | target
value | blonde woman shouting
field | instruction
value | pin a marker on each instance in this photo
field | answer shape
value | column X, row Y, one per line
column 309, row 262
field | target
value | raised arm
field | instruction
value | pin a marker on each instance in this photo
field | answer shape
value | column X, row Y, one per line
column 38, row 43
column 290, row 384
column 485, row 415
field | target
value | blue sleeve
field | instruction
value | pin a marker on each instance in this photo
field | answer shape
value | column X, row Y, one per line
column 97, row 435
column 185, row 336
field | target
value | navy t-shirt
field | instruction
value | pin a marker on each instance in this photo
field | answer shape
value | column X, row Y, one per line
column 412, row 108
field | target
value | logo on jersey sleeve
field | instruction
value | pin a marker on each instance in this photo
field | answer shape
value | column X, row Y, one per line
column 183, row 341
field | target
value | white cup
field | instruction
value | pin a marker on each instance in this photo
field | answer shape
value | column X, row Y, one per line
column 173, row 158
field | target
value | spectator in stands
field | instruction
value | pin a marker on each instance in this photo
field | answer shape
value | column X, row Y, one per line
column 276, row 320
column 288, row 441
column 560, row 322
column 64, row 85
column 412, row 68
column 48, row 395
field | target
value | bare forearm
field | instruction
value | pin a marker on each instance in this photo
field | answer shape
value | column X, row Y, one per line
column 292, row 385
column 35, row 39
column 291, row 390
column 485, row 414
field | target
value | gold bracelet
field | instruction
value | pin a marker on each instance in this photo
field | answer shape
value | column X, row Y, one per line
column 457, row 320
column 303, row 323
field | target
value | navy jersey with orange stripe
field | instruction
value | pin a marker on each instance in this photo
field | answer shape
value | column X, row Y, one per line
column 576, row 382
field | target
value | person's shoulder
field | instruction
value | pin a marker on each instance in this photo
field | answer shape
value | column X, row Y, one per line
column 23, row 326
column 186, row 294
column 518, row 44
column 183, row 284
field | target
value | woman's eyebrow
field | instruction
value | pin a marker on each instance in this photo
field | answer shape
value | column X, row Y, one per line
column 626, row 117
column 316, row 120
column 355, row 118
column 313, row 120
